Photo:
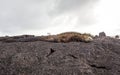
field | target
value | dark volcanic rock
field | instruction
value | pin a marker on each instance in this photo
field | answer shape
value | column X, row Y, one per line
column 102, row 34
column 99, row 57
column 117, row 37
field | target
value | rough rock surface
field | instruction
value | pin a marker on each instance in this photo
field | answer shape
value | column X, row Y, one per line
column 102, row 34
column 99, row 57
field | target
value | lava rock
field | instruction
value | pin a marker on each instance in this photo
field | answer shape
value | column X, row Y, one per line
column 99, row 57
column 102, row 34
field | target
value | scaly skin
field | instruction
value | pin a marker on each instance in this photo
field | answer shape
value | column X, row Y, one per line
column 70, row 36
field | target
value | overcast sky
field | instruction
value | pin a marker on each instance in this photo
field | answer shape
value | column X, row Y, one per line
column 40, row 17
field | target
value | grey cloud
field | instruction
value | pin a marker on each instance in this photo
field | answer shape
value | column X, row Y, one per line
column 80, row 9
column 23, row 15
column 67, row 5
column 63, row 6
